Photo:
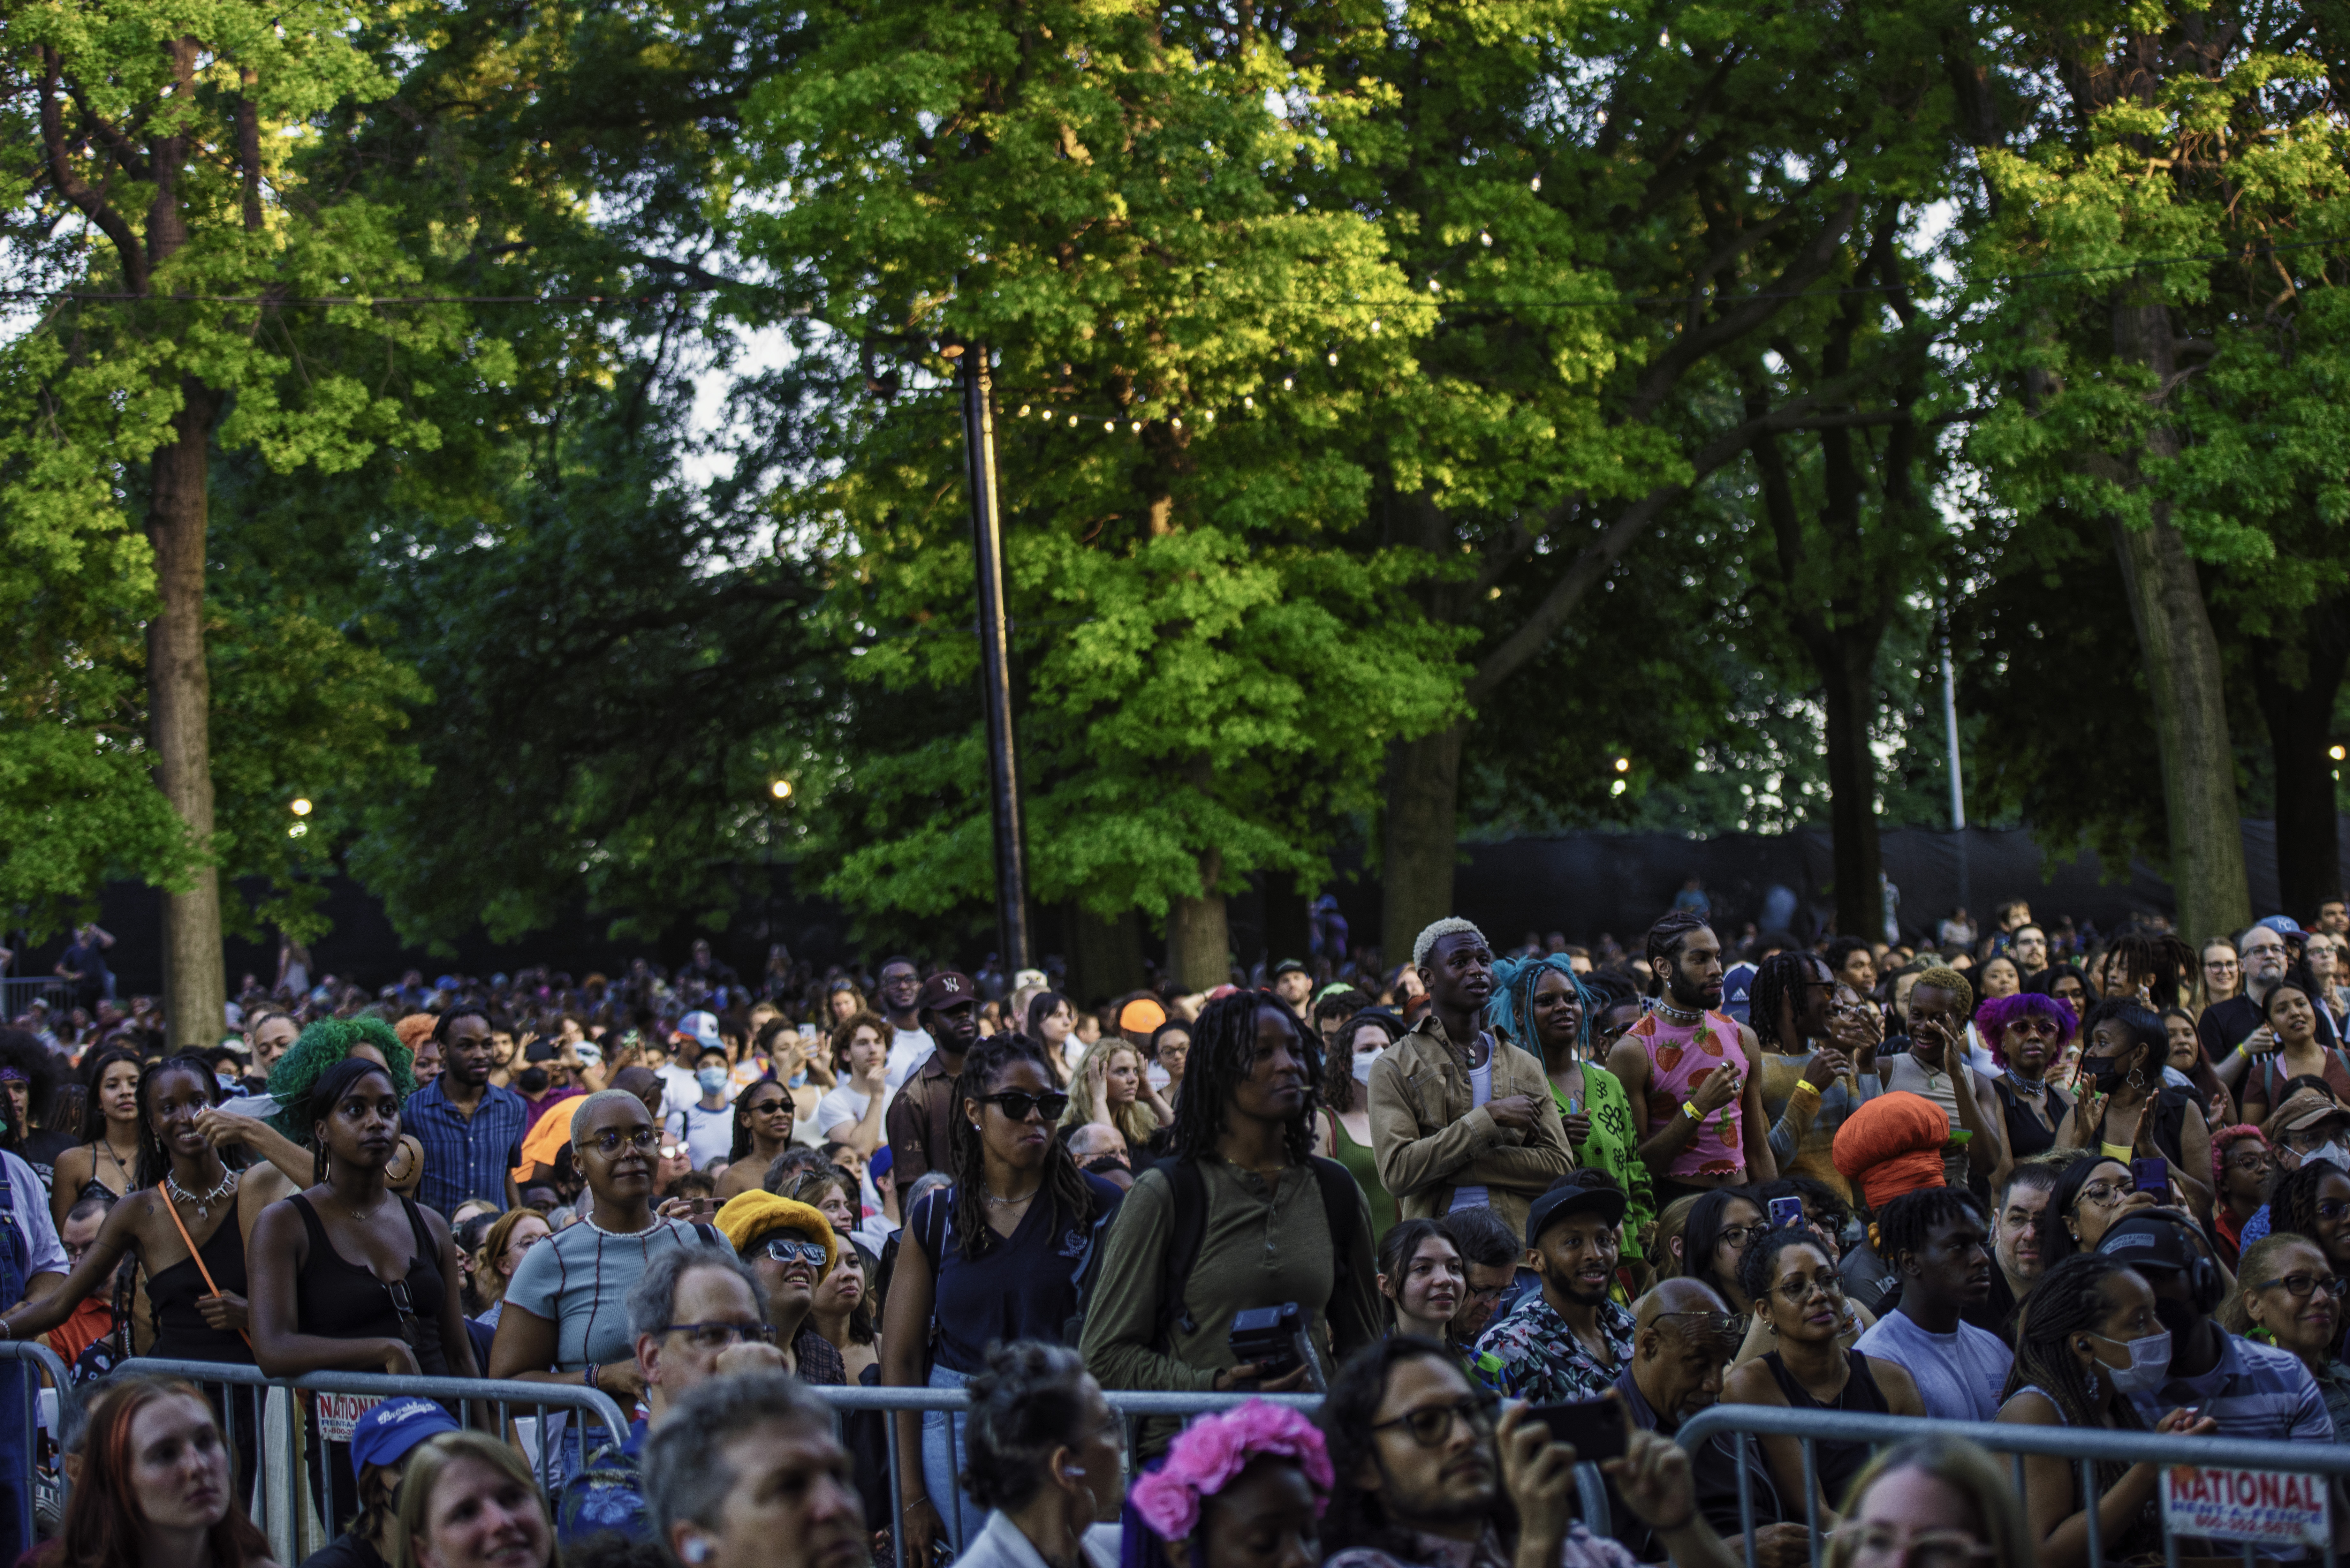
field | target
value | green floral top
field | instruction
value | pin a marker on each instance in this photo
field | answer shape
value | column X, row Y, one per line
column 1614, row 1147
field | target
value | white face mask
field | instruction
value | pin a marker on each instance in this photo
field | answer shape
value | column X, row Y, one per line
column 2333, row 1154
column 2149, row 1363
column 1363, row 1060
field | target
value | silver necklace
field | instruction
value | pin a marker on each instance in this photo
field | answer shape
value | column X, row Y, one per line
column 201, row 1202
column 991, row 1199
column 1672, row 1015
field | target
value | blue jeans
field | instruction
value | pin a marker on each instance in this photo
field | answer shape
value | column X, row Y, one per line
column 940, row 1467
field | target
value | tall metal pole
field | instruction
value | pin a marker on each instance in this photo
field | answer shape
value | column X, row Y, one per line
column 995, row 659
column 1957, row 781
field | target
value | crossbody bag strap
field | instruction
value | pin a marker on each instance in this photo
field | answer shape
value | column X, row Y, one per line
column 182, row 1227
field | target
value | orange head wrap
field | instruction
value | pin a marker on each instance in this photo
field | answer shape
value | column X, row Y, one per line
column 1892, row 1145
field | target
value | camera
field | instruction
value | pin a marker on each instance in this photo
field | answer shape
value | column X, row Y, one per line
column 1275, row 1338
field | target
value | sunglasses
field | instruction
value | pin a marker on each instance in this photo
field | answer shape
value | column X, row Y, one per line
column 792, row 1249
column 2042, row 1028
column 1431, row 1425
column 1020, row 1104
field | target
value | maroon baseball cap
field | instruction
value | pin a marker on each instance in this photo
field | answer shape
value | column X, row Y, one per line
column 946, row 989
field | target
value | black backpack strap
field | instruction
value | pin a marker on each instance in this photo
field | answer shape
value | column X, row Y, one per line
column 706, row 1231
column 1189, row 1196
column 1342, row 1203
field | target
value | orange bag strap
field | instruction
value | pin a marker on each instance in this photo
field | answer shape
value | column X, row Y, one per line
column 181, row 1226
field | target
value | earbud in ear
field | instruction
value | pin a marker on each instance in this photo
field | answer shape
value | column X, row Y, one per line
column 697, row 1550
column 1075, row 1470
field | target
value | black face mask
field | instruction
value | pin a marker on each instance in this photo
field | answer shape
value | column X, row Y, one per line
column 2104, row 1073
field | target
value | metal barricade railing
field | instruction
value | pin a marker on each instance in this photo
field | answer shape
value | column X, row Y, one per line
column 35, row 1357
column 505, row 1396
column 18, row 992
column 2083, row 1445
column 1134, row 1406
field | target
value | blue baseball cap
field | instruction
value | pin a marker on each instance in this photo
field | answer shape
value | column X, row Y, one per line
column 385, row 1434
column 2283, row 925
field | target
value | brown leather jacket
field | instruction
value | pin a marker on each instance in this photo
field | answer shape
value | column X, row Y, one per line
column 1428, row 1138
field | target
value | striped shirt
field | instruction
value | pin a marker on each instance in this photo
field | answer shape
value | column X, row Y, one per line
column 2257, row 1391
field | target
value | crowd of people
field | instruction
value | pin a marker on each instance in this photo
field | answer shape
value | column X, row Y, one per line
column 2001, row 1182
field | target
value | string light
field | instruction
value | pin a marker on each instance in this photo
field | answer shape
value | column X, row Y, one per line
column 1248, row 402
column 1374, row 324
column 1110, row 427
column 300, row 807
column 1289, row 383
column 1073, row 421
column 1023, row 413
column 1137, row 427
column 1176, row 423
column 1483, row 238
column 1537, row 185
column 297, row 830
column 781, row 789
column 1333, row 360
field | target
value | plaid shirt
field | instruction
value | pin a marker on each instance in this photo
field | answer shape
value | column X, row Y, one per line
column 1544, row 1361
column 465, row 1157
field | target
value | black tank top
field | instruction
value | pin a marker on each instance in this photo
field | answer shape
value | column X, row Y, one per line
column 2025, row 1136
column 93, row 1187
column 181, row 1332
column 337, row 1299
column 1837, row 1463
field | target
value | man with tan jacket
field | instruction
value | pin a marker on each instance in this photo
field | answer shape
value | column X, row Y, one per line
column 1457, row 1118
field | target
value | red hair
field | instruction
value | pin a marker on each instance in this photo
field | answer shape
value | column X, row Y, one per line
column 105, row 1524
column 2226, row 1138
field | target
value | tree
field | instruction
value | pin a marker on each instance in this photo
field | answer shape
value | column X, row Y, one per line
column 2161, row 331
column 152, row 176
column 1208, row 667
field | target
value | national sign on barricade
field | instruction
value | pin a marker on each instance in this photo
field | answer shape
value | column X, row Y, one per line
column 2265, row 1507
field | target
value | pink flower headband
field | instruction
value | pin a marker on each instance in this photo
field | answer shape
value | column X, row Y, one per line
column 1214, row 1449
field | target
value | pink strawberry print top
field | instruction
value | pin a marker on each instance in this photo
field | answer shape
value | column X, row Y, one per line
column 1680, row 1056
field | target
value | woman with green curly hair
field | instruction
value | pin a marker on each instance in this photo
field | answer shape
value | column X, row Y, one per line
column 285, row 1139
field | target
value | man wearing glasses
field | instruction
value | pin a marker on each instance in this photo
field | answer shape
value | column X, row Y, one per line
column 696, row 1315
column 1423, row 1460
column 1683, row 1335
column 2236, row 1030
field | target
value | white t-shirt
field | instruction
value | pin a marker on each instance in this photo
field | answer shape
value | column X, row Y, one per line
column 909, row 1049
column 30, row 1199
column 677, row 1088
column 843, row 1103
column 1480, row 1092
column 1959, row 1374
column 710, row 1135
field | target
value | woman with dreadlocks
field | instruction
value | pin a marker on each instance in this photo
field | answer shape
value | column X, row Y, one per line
column 2087, row 1341
column 1542, row 1008
column 1243, row 1215
column 992, row 1259
column 284, row 1139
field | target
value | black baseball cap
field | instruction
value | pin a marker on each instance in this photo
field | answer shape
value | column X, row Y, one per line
column 2150, row 1242
column 1289, row 966
column 1563, row 1202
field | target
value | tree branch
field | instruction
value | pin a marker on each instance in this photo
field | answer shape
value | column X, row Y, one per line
column 74, row 189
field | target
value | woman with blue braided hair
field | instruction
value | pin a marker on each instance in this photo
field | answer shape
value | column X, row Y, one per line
column 285, row 1137
column 1543, row 1009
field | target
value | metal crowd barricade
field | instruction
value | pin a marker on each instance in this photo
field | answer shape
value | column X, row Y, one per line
column 505, row 1396
column 38, row 1358
column 1134, row 1406
column 2083, row 1445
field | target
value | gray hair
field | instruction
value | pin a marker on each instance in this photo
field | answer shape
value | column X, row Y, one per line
column 929, row 1181
column 604, row 1097
column 1446, row 927
column 653, row 1298
column 685, row 1476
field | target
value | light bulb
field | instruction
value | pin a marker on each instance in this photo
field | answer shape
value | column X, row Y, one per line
column 1484, row 238
column 1137, row 428
column 1023, row 413
column 1110, row 426
column 1538, row 183
column 1073, row 421
column 1333, row 360
column 781, row 789
column 1248, row 402
column 1623, row 764
column 297, row 830
column 1374, row 324
column 1178, row 424
column 1431, row 285
column 1615, row 788
column 300, row 807
column 2340, row 753
column 1212, row 416
column 1664, row 40
column 1289, row 383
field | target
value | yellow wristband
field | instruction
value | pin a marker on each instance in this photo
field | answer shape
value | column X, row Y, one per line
column 1805, row 1086
column 1691, row 1112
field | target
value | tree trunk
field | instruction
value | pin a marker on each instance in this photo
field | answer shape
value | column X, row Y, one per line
column 2181, row 654
column 1200, row 944
column 1420, row 842
column 2298, row 703
column 1847, row 672
column 179, row 698
column 1105, row 957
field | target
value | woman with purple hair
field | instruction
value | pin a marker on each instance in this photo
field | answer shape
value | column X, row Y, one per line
column 2026, row 1034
